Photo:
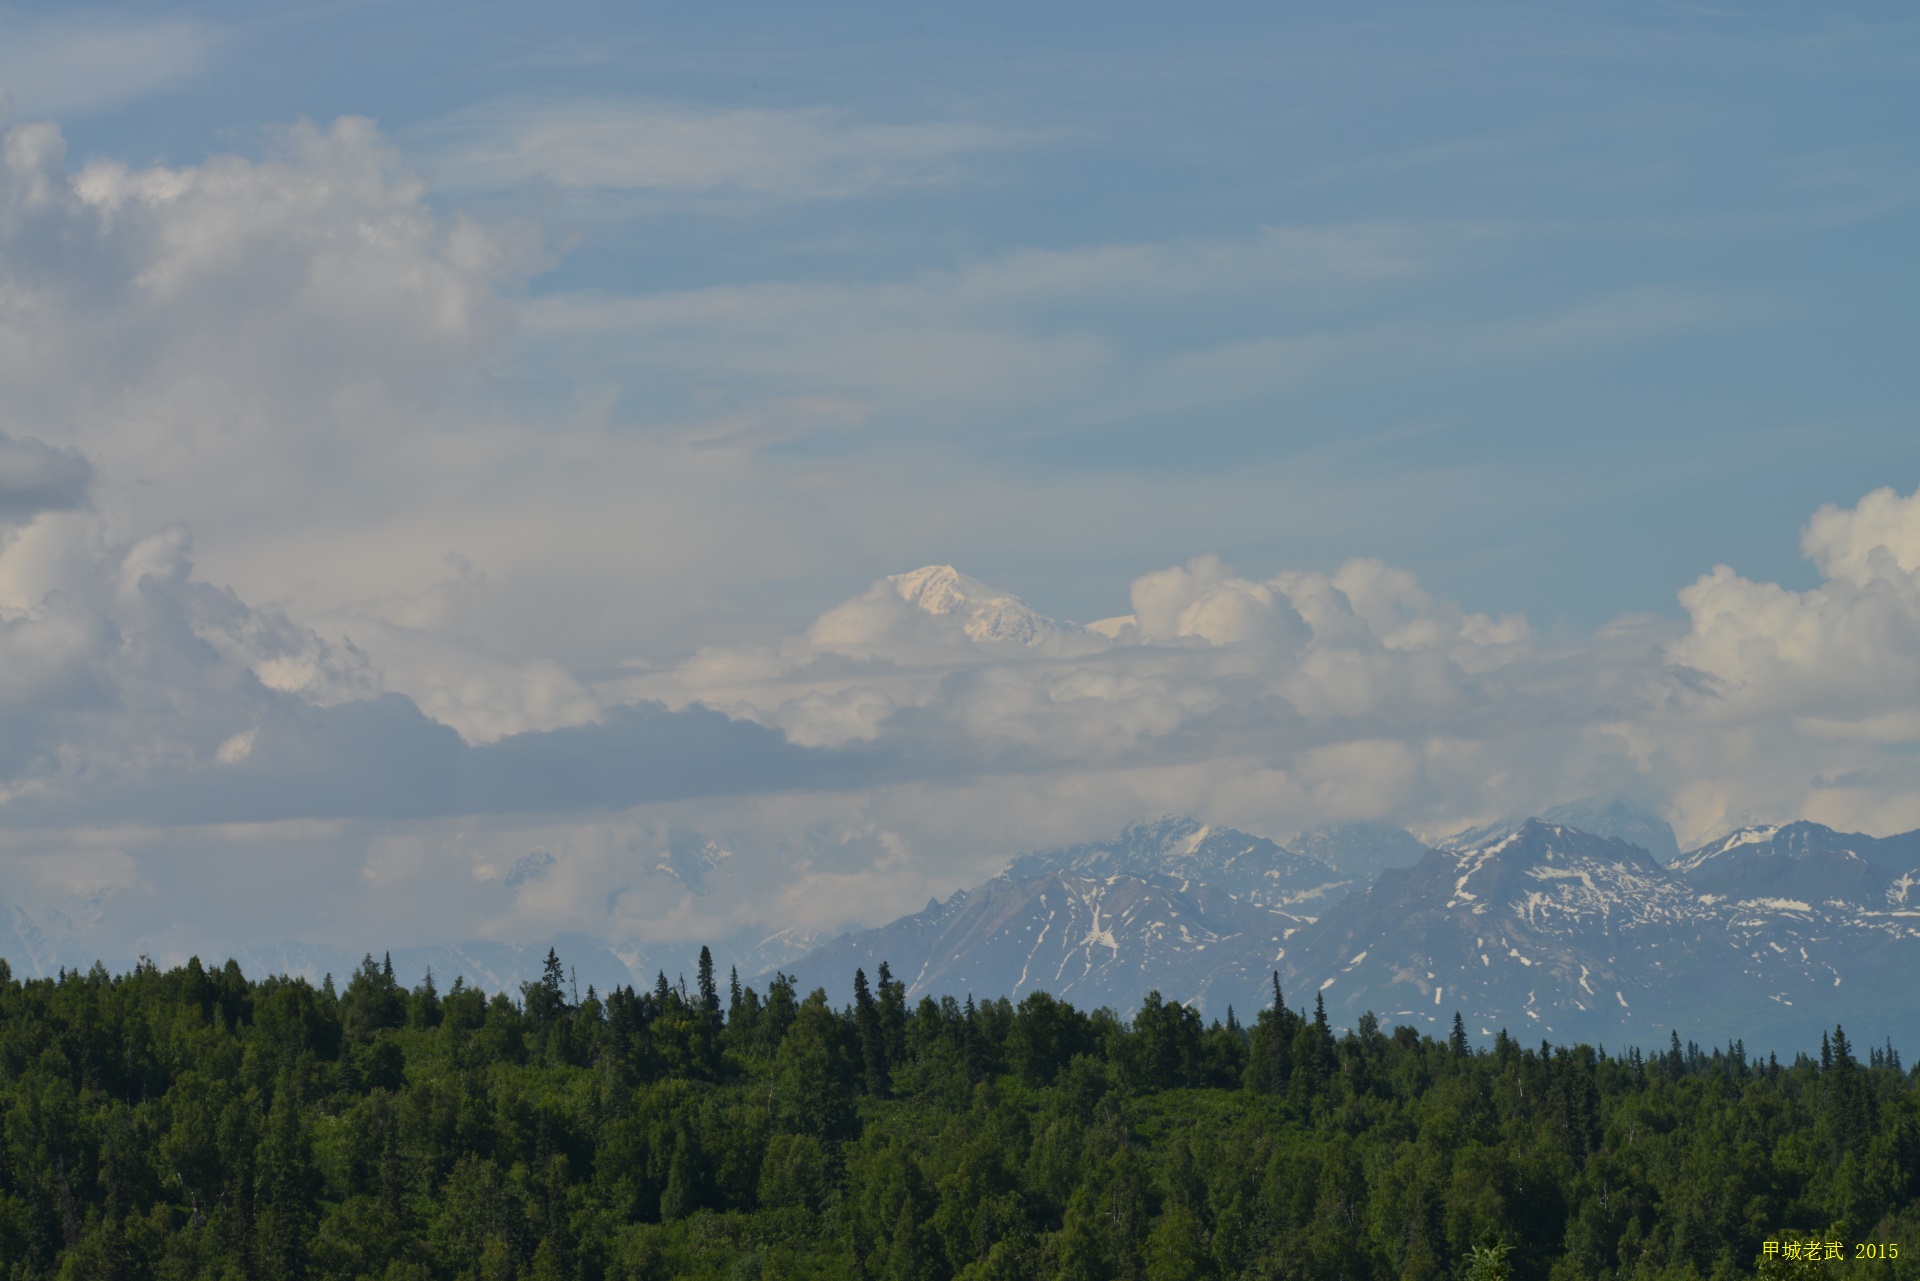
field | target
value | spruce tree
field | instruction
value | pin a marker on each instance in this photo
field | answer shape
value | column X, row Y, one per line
column 709, row 990
column 892, row 1000
column 1271, row 1066
column 866, row 1023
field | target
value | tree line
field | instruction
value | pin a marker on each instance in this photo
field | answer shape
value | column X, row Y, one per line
column 195, row 1123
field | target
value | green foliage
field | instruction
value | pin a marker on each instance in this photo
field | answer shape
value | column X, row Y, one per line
column 1488, row 1260
column 195, row 1124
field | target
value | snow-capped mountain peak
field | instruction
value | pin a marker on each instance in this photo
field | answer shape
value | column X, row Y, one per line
column 1553, row 868
column 1802, row 861
column 986, row 613
column 1609, row 816
column 1722, row 848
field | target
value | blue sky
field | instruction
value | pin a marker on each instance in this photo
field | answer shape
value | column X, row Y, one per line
column 367, row 366
column 1700, row 214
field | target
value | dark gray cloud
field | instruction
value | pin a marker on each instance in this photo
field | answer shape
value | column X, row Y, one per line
column 643, row 752
column 382, row 758
column 36, row 477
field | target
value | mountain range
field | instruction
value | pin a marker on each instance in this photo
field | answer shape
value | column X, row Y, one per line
column 1767, row 934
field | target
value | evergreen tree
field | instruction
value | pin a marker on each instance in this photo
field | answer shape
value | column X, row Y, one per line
column 546, row 999
column 892, row 1000
column 873, row 1049
column 709, row 990
column 286, row 1189
column 1270, row 1056
column 423, row 1005
column 373, row 1000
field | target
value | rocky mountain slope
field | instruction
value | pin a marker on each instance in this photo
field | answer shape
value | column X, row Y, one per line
column 1610, row 816
column 1803, row 861
column 1092, row 940
column 1583, row 937
column 1768, row 934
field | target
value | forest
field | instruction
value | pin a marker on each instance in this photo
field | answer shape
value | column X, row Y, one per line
column 195, row 1123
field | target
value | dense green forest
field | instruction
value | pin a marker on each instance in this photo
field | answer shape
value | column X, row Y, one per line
column 195, row 1123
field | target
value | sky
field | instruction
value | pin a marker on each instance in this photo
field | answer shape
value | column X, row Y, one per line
column 463, row 468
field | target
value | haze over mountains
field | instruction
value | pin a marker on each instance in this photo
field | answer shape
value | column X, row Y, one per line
column 1540, row 927
column 1251, row 868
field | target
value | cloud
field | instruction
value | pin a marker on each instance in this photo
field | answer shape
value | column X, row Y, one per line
column 137, row 692
column 1359, row 694
column 75, row 65
column 481, row 696
column 416, row 629
column 1846, row 650
column 895, row 749
column 1203, row 600
column 346, row 392
column 35, row 478
column 1022, row 341
column 1212, row 669
column 1028, row 343
column 622, row 145
column 1878, row 538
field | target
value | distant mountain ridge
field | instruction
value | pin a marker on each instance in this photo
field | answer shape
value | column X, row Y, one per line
column 1768, row 931
column 1545, row 928
column 1093, row 940
column 1361, row 850
column 1532, row 930
column 1805, row 861
column 1587, row 937
column 1609, row 816
column 1251, row 868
